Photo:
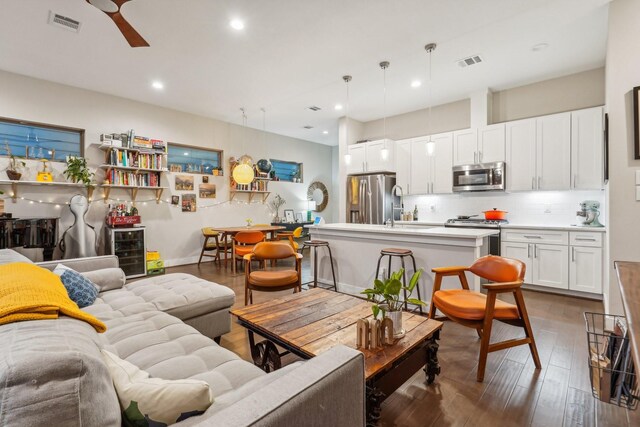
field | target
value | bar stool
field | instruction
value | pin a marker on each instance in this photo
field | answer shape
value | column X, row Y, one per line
column 315, row 244
column 400, row 253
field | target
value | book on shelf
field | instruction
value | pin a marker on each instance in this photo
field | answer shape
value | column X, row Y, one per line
column 136, row 159
column 141, row 142
column 144, row 179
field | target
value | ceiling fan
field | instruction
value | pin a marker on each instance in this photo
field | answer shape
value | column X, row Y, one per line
column 112, row 9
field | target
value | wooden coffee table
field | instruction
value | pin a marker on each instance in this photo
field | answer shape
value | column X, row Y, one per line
column 309, row 323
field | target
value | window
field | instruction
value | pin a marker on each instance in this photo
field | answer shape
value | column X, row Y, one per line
column 184, row 158
column 40, row 141
column 287, row 171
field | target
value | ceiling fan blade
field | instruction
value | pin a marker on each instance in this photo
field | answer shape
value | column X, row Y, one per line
column 129, row 33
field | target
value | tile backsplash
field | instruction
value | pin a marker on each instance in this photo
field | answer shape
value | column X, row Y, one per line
column 532, row 207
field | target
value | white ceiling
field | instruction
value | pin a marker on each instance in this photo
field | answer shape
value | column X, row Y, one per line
column 293, row 53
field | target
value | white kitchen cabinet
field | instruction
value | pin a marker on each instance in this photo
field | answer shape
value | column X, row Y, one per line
column 367, row 157
column 403, row 165
column 521, row 154
column 550, row 266
column 441, row 163
column 587, row 148
column 465, row 147
column 358, row 158
column 420, row 181
column 585, row 269
column 553, row 152
column 491, row 143
column 522, row 252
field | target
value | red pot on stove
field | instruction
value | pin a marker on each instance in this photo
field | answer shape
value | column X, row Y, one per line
column 495, row 214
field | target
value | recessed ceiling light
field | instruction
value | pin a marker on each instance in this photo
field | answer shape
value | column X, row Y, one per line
column 326, row 132
column 338, row 107
column 157, row 85
column 186, row 153
column 416, row 83
column 237, row 24
column 539, row 47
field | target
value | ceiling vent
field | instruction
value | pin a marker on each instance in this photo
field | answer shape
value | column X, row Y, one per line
column 314, row 108
column 64, row 22
column 471, row 60
column 308, row 127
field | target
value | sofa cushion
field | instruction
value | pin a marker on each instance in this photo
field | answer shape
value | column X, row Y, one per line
column 52, row 373
column 81, row 290
column 167, row 348
column 9, row 255
column 182, row 295
column 107, row 279
column 154, row 400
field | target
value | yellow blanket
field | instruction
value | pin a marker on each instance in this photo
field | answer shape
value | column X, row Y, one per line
column 29, row 292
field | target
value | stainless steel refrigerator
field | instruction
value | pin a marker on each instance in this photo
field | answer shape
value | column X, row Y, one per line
column 369, row 198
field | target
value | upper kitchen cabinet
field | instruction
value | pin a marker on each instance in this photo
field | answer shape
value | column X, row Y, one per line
column 587, row 147
column 520, row 157
column 420, row 170
column 441, row 160
column 465, row 147
column 538, row 153
column 491, row 143
column 403, row 165
column 553, row 152
column 368, row 157
column 484, row 145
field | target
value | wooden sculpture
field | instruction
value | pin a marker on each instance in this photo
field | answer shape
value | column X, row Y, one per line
column 362, row 333
column 374, row 333
column 386, row 330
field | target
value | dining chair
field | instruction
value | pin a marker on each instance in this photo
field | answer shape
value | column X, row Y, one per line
column 291, row 236
column 271, row 280
column 244, row 242
column 478, row 311
column 214, row 241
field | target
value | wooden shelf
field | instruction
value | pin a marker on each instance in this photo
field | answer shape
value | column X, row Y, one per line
column 15, row 184
column 252, row 194
column 129, row 168
column 133, row 189
column 138, row 150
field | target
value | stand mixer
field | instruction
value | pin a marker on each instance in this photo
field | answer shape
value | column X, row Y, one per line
column 589, row 213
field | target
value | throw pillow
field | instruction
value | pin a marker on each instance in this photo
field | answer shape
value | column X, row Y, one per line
column 107, row 279
column 80, row 289
column 154, row 401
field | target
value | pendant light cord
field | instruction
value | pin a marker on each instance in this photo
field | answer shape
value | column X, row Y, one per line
column 384, row 105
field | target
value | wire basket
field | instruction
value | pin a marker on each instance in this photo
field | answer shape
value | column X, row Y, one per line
column 612, row 371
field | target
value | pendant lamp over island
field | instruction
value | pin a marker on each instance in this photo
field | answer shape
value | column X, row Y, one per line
column 347, row 157
column 384, row 153
column 243, row 173
column 430, row 145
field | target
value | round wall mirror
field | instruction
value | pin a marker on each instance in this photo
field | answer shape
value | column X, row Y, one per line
column 318, row 193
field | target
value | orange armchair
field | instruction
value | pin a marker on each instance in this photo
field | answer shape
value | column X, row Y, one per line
column 271, row 280
column 244, row 242
column 478, row 311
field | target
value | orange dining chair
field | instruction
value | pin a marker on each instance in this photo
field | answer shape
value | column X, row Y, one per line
column 271, row 280
column 478, row 311
column 291, row 236
column 244, row 242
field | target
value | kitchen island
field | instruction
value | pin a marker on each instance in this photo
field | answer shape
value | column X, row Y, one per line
column 356, row 248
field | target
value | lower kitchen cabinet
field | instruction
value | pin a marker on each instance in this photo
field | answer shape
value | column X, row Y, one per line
column 522, row 252
column 550, row 266
column 585, row 269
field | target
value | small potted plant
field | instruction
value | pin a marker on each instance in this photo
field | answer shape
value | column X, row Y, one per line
column 77, row 170
column 386, row 298
column 15, row 165
column 249, row 222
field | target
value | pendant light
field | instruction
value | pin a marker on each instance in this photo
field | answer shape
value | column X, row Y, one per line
column 347, row 157
column 431, row 146
column 384, row 153
column 243, row 172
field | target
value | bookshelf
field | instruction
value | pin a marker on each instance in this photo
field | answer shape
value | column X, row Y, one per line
column 16, row 184
column 134, row 169
column 259, row 187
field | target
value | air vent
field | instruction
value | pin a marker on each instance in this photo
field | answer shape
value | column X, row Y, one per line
column 308, row 127
column 64, row 22
column 471, row 60
column 314, row 108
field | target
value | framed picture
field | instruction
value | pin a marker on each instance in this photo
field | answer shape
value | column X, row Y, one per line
column 288, row 215
column 299, row 217
column 636, row 122
column 207, row 191
column 184, row 183
column 606, row 147
column 205, row 179
column 175, row 200
column 189, row 203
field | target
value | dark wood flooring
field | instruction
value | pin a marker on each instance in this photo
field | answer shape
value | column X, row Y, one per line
column 513, row 392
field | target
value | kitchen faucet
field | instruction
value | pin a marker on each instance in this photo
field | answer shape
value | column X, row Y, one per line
column 395, row 208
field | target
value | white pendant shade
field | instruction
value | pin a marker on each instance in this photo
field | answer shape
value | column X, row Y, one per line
column 243, row 174
column 347, row 159
column 384, row 153
column 430, row 148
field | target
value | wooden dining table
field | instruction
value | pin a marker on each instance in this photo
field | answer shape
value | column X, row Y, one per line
column 270, row 230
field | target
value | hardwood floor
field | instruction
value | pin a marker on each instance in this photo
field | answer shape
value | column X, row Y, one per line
column 513, row 392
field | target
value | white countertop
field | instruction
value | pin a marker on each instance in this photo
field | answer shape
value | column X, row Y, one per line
column 555, row 227
column 469, row 233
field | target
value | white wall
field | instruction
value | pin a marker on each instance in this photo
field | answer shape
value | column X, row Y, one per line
column 623, row 73
column 174, row 233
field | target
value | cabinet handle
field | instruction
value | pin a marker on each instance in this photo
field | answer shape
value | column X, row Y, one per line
column 528, row 250
column 539, row 182
column 573, row 254
column 533, row 182
column 475, row 157
column 479, row 156
column 575, row 180
column 432, row 188
column 535, row 251
column 533, row 237
column 585, row 239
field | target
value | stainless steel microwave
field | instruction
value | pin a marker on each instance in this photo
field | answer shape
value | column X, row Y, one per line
column 479, row 177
